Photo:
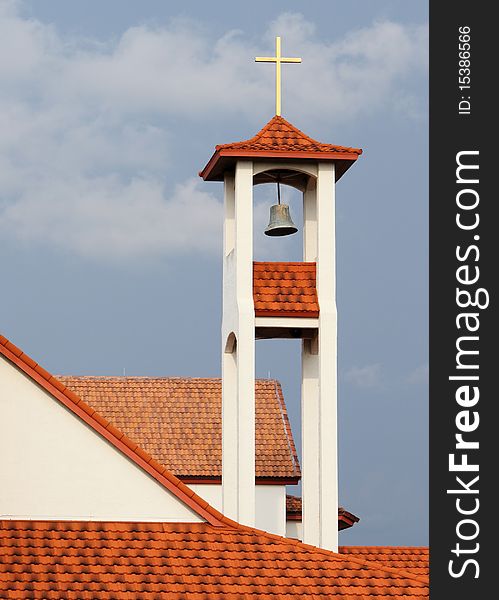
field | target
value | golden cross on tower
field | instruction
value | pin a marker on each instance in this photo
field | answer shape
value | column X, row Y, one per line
column 277, row 59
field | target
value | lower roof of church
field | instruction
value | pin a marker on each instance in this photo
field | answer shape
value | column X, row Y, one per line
column 107, row 560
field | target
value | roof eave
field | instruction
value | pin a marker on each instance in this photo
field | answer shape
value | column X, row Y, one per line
column 217, row 479
column 344, row 522
column 216, row 166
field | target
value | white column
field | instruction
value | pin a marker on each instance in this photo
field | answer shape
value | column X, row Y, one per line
column 245, row 343
column 229, row 358
column 310, row 222
column 229, row 231
column 310, row 443
column 310, row 390
column 327, row 359
column 230, row 484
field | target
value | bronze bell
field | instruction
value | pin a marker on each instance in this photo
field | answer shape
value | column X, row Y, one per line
column 280, row 221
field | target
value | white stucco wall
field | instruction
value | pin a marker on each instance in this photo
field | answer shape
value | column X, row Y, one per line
column 270, row 503
column 294, row 530
column 53, row 466
column 271, row 508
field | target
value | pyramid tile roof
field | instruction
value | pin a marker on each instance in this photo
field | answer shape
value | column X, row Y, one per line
column 178, row 422
column 108, row 560
column 280, row 135
column 278, row 139
column 285, row 289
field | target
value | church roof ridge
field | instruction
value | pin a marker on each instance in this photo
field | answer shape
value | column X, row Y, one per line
column 155, row 377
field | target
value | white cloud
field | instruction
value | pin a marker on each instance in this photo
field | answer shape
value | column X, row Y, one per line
column 420, row 375
column 368, row 376
column 111, row 219
column 87, row 132
column 363, row 72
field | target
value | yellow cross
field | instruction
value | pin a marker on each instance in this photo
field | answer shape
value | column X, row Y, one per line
column 277, row 59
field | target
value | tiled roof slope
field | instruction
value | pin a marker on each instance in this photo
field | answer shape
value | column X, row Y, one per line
column 104, row 561
column 178, row 422
column 293, row 513
column 285, row 289
column 281, row 136
column 293, row 505
column 410, row 559
column 282, row 140
column 89, row 560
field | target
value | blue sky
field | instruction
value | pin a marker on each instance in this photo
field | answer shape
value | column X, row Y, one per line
column 110, row 242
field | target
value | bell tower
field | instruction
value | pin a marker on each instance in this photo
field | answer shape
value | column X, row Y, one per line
column 263, row 300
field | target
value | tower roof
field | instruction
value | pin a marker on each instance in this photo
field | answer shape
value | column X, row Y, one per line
column 279, row 139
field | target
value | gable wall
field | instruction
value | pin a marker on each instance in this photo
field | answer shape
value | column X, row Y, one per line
column 54, row 466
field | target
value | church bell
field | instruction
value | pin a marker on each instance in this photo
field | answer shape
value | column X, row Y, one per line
column 280, row 222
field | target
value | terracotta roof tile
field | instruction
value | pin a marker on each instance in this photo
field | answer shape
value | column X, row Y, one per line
column 285, row 289
column 278, row 139
column 293, row 505
column 103, row 561
column 294, row 513
column 410, row 559
column 281, row 136
column 177, row 421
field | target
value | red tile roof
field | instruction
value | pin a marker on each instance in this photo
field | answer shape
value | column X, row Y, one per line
column 406, row 558
column 293, row 505
column 294, row 513
column 281, row 136
column 282, row 140
column 178, row 422
column 285, row 289
column 104, row 561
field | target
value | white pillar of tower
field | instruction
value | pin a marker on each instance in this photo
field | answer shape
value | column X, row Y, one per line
column 229, row 355
column 327, row 356
column 310, row 443
column 310, row 390
column 238, row 364
column 310, row 221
